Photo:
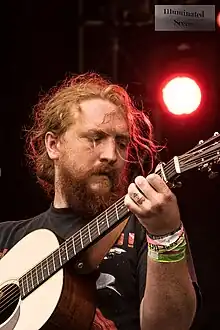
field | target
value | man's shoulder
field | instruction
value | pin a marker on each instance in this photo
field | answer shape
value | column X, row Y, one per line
column 13, row 231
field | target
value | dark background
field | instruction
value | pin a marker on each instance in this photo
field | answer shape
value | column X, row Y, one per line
column 42, row 42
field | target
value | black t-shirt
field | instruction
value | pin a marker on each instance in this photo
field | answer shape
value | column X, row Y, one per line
column 121, row 284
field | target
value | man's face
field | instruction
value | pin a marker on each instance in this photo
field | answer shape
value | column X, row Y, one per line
column 91, row 162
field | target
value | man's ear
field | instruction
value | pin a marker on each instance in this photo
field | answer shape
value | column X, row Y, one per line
column 52, row 144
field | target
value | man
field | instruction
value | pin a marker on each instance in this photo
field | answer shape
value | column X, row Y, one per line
column 87, row 145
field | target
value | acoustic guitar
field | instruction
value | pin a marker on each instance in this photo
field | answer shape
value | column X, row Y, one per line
column 51, row 285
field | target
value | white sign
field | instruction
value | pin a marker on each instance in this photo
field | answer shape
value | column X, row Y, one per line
column 184, row 18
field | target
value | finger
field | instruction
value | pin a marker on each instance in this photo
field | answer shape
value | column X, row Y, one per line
column 137, row 196
column 157, row 183
column 131, row 205
column 145, row 187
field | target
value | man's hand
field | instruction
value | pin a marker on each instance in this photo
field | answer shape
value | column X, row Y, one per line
column 153, row 203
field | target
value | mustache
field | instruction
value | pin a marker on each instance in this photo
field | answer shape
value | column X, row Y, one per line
column 106, row 170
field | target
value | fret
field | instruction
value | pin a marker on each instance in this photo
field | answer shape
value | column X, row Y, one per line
column 51, row 265
column 39, row 273
column 42, row 271
column 106, row 216
column 57, row 260
column 31, row 276
column 97, row 224
column 67, row 255
column 93, row 230
column 60, row 257
column 102, row 224
column 90, row 238
column 27, row 282
column 124, row 210
column 111, row 219
column 116, row 211
column 53, row 258
column 81, row 241
column 69, row 248
column 73, row 243
column 85, row 236
column 48, row 270
column 63, row 254
column 36, row 272
column 21, row 284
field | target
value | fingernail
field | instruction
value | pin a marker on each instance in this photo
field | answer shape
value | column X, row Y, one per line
column 139, row 180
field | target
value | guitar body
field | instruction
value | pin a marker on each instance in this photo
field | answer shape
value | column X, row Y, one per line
column 65, row 301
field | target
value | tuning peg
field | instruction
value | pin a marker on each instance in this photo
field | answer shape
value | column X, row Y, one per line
column 201, row 141
column 216, row 133
column 213, row 175
column 204, row 167
column 175, row 184
column 178, row 184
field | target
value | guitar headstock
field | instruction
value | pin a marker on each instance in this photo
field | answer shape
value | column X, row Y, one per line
column 203, row 156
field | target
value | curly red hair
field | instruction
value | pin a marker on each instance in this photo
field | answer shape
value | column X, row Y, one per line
column 52, row 113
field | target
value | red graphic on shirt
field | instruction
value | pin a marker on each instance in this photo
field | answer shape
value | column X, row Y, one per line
column 101, row 323
column 3, row 252
column 120, row 241
column 131, row 240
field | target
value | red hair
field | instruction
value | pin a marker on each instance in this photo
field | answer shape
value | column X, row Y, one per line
column 52, row 113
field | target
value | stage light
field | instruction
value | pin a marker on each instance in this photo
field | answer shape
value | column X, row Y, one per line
column 218, row 19
column 181, row 95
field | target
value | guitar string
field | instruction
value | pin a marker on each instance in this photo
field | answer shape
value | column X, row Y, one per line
column 11, row 291
column 212, row 151
column 191, row 163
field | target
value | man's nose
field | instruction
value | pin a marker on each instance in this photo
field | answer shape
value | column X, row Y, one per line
column 108, row 151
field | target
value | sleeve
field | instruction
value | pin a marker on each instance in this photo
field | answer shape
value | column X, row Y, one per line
column 5, row 228
column 142, row 266
column 10, row 234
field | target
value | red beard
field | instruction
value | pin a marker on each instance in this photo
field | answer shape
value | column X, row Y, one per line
column 86, row 202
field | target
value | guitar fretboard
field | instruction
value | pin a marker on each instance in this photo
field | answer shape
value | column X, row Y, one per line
column 80, row 240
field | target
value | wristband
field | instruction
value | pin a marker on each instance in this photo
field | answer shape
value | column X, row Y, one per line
column 156, row 237
column 166, row 240
column 178, row 243
column 167, row 257
column 175, row 253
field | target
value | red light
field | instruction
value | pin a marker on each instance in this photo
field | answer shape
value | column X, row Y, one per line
column 218, row 19
column 181, row 95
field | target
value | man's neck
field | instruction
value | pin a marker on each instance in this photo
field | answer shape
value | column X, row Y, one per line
column 59, row 202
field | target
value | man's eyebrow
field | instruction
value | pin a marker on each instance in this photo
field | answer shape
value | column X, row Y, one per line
column 100, row 131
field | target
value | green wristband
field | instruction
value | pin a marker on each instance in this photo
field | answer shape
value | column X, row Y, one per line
column 166, row 257
column 177, row 246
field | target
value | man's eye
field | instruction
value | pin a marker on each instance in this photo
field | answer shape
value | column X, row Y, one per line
column 123, row 145
column 97, row 138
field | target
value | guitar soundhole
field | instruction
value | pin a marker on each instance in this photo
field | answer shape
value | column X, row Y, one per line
column 9, row 298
